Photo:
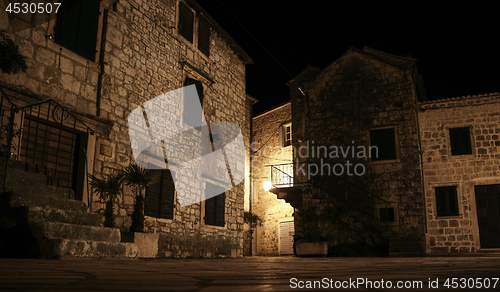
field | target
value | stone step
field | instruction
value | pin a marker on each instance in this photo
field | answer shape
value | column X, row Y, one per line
column 48, row 214
column 24, row 200
column 58, row 230
column 61, row 248
column 28, row 183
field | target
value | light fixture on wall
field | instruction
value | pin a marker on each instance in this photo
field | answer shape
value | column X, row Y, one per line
column 267, row 186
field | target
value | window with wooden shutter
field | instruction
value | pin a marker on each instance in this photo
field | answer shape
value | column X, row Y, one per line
column 460, row 141
column 385, row 142
column 204, row 37
column 160, row 196
column 193, row 113
column 186, row 22
column 215, row 206
column 446, row 201
column 77, row 25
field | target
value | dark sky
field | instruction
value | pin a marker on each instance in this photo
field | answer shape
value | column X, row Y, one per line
column 455, row 42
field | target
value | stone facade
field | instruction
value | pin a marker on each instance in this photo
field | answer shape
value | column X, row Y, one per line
column 361, row 92
column 139, row 55
column 458, row 232
column 269, row 151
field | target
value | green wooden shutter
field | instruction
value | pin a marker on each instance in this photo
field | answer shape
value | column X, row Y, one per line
column 204, row 37
column 186, row 22
column 220, row 209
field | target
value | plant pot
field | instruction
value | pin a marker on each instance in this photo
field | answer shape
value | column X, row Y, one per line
column 311, row 248
column 147, row 243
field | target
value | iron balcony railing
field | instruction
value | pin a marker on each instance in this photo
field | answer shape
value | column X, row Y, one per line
column 346, row 191
column 47, row 135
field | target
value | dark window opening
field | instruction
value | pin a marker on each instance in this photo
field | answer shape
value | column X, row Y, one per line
column 386, row 214
column 160, row 196
column 215, row 206
column 446, row 201
column 193, row 113
column 204, row 37
column 186, row 22
column 77, row 24
column 385, row 142
column 460, row 141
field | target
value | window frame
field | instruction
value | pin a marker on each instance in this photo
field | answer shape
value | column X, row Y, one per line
column 389, row 210
column 198, row 21
column 80, row 46
column 283, row 135
column 396, row 144
column 158, row 213
column 199, row 85
column 459, row 152
column 446, row 192
column 217, row 201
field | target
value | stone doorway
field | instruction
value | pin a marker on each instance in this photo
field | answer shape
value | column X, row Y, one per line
column 488, row 215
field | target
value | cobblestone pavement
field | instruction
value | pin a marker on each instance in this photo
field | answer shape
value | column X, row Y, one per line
column 248, row 274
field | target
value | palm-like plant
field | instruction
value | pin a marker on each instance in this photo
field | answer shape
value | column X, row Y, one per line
column 139, row 178
column 107, row 189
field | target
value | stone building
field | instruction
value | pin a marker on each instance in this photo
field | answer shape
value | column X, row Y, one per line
column 356, row 162
column 460, row 140
column 97, row 61
column 431, row 186
column 271, row 145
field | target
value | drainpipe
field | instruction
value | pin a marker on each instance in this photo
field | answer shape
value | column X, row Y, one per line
column 415, row 107
column 101, row 63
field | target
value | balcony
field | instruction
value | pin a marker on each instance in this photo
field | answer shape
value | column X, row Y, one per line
column 287, row 185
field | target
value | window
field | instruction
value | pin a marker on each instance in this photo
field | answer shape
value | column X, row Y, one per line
column 186, row 22
column 215, row 206
column 160, row 196
column 193, row 112
column 77, row 24
column 460, row 141
column 446, row 201
column 286, row 135
column 204, row 37
column 386, row 214
column 187, row 29
column 385, row 142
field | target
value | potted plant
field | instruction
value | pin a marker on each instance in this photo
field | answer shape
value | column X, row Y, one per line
column 252, row 221
column 139, row 178
column 107, row 189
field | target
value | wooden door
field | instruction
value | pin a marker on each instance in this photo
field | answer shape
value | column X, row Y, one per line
column 488, row 215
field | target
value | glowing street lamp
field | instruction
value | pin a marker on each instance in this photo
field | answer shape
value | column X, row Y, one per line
column 267, row 186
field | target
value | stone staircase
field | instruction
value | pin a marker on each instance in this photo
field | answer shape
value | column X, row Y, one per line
column 37, row 220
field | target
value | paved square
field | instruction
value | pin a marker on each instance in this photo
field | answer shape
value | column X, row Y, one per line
column 248, row 274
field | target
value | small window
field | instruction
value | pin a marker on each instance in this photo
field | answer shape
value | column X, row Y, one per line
column 215, row 206
column 204, row 37
column 385, row 142
column 460, row 141
column 446, row 201
column 186, row 22
column 192, row 115
column 386, row 214
column 160, row 196
column 77, row 25
column 286, row 135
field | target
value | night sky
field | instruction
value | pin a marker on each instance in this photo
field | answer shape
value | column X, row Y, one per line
column 456, row 42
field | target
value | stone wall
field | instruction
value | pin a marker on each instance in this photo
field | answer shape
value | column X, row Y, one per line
column 338, row 106
column 441, row 168
column 143, row 56
column 266, row 139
